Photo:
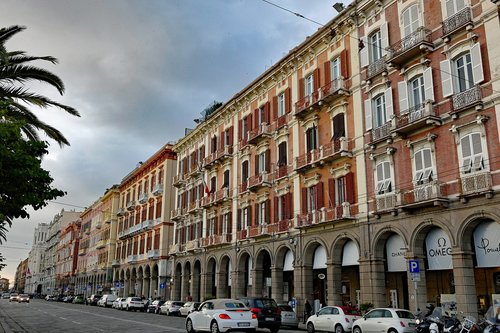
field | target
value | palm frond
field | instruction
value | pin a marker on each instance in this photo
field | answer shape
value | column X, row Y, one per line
column 22, row 73
column 7, row 33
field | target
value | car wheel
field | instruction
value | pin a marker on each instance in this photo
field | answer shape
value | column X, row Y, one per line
column 189, row 326
column 168, row 313
column 392, row 330
column 128, row 309
column 356, row 330
column 310, row 327
column 339, row 329
column 214, row 328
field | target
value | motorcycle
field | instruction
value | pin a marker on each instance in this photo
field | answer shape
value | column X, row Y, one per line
column 430, row 323
column 492, row 323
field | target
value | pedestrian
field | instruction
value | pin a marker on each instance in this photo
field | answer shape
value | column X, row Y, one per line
column 307, row 310
column 189, row 298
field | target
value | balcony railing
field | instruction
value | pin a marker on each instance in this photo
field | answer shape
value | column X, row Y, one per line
column 222, row 195
column 120, row 212
column 158, row 189
column 381, row 132
column 174, row 248
column 242, row 234
column 143, row 198
column 192, row 245
column 243, row 187
column 468, row 98
column 457, row 21
column 415, row 42
column 302, row 105
column 132, row 258
column 176, row 213
column 385, row 202
column 115, row 263
column 131, row 205
column 194, row 206
column 424, row 193
column 307, row 219
column 100, row 244
column 375, row 68
column 263, row 179
column 223, row 153
column 417, row 117
column 282, row 121
column 179, row 179
column 153, row 254
column 282, row 171
column 476, row 183
column 262, row 131
column 326, row 93
column 307, row 160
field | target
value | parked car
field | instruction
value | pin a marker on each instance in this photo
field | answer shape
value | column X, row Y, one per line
column 338, row 319
column 117, row 303
column 267, row 311
column 106, row 300
column 187, row 308
column 93, row 299
column 23, row 298
column 171, row 308
column 5, row 296
column 288, row 316
column 154, row 307
column 68, row 299
column 386, row 320
column 13, row 297
column 221, row 315
column 79, row 299
column 133, row 303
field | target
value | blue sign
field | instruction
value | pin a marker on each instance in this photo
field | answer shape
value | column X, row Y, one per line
column 162, row 285
column 414, row 266
column 117, row 285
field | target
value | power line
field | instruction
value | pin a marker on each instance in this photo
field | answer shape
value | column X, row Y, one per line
column 294, row 13
column 66, row 204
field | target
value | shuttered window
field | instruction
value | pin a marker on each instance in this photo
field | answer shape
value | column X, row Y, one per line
column 375, row 46
column 338, row 126
column 423, row 166
column 378, row 107
column 411, row 20
column 383, row 177
column 417, row 91
column 472, row 153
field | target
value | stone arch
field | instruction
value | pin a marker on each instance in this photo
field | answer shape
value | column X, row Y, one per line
column 177, row 281
column 186, row 280
column 210, row 278
column 196, row 280
column 224, row 282
column 380, row 238
column 244, row 278
column 417, row 237
column 468, row 226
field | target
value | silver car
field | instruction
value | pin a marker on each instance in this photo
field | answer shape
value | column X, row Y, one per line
column 288, row 316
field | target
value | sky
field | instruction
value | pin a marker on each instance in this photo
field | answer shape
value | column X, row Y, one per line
column 139, row 72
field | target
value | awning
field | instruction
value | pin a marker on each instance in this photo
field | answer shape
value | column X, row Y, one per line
column 395, row 252
column 438, row 250
column 319, row 258
column 350, row 254
column 487, row 244
column 288, row 264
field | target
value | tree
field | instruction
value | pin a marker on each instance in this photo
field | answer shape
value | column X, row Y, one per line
column 15, row 71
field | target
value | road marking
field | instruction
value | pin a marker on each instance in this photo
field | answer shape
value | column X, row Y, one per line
column 76, row 322
column 63, row 318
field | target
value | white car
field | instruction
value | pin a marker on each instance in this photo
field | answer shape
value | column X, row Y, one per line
column 221, row 315
column 171, row 308
column 187, row 308
column 387, row 320
column 288, row 316
column 133, row 303
column 338, row 319
column 117, row 303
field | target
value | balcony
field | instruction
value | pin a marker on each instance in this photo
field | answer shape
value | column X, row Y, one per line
column 381, row 133
column 243, row 142
column 146, row 225
column 100, row 244
column 340, row 212
column 179, row 180
column 454, row 23
column 194, row 170
column 429, row 194
column 157, row 190
column 115, row 263
column 153, row 254
column 282, row 172
column 339, row 147
column 176, row 214
column 308, row 219
column 143, row 198
column 194, row 206
column 98, row 225
column 263, row 131
column 477, row 183
column 242, row 234
column 82, row 252
column 130, row 205
column 329, row 92
column 417, row 118
column 468, row 99
column 120, row 212
column 132, row 259
column 307, row 105
column 307, row 161
column 385, row 202
column 415, row 44
column 174, row 248
column 282, row 121
column 217, row 197
column 192, row 245
column 224, row 153
column 261, row 180
column 375, row 68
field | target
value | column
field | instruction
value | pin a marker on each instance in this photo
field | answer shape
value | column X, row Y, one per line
column 258, row 283
column 372, row 278
column 465, row 284
column 334, row 283
column 277, row 285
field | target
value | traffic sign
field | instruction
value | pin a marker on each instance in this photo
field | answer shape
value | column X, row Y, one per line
column 414, row 266
column 162, row 285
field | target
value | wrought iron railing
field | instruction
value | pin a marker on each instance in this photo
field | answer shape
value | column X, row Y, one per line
column 381, row 131
column 467, row 98
column 476, row 183
column 455, row 22
column 415, row 38
column 386, row 201
column 376, row 68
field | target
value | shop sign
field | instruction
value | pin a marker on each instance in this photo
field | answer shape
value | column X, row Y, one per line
column 487, row 244
column 438, row 250
column 395, row 252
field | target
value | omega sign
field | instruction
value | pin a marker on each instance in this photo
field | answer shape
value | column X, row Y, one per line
column 438, row 250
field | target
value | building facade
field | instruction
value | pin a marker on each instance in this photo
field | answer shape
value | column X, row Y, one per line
column 20, row 277
column 371, row 145
column 67, row 257
column 34, row 274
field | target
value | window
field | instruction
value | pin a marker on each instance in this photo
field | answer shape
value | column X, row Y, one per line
column 262, row 213
column 472, row 153
column 281, row 208
column 311, row 198
column 309, row 85
column 384, row 183
column 312, row 138
column 211, row 226
column 340, row 191
column 335, row 68
column 463, row 71
column 245, row 220
column 227, row 138
column 245, row 127
column 244, row 171
column 338, row 126
column 379, row 110
column 225, row 224
column 213, row 147
column 226, row 179
column 213, row 184
column 262, row 163
column 423, row 166
column 281, row 104
column 411, row 20
column 417, row 91
column 262, row 115
column 375, row 46
column 454, row 6
column 282, row 154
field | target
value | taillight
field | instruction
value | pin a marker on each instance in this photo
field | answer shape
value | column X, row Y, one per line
column 402, row 324
column 278, row 311
column 224, row 316
column 254, row 316
column 255, row 310
column 346, row 319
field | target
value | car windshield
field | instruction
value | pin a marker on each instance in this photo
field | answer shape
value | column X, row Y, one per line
column 266, row 303
column 135, row 299
column 234, row 305
column 405, row 314
column 23, row 295
column 351, row 311
column 178, row 303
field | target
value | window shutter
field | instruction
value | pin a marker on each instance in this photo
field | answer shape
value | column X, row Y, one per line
column 267, row 205
column 368, row 114
column 319, row 196
column 231, row 135
column 249, row 123
column 344, row 64
column 388, row 103
column 238, row 221
column 316, row 79
column 288, row 100
column 326, row 67
column 447, row 83
column 256, row 211
column 428, row 85
column 301, row 88
column 363, row 53
column 275, row 213
column 304, row 200
column 331, row 192
column 275, row 108
column 268, row 160
column 266, row 112
column 222, row 140
column 350, row 195
column 403, row 96
column 289, row 205
column 249, row 215
column 384, row 38
column 256, row 165
column 256, row 119
column 477, row 63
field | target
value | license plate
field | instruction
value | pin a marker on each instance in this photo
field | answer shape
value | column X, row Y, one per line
column 243, row 324
column 269, row 319
column 412, row 325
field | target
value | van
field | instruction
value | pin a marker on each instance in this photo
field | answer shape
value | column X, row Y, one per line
column 107, row 300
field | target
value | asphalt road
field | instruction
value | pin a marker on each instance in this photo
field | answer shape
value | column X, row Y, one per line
column 40, row 316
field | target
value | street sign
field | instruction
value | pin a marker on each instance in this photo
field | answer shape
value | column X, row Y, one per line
column 414, row 266
column 162, row 285
column 415, row 277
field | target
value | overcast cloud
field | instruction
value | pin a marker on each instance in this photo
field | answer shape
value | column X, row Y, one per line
column 139, row 72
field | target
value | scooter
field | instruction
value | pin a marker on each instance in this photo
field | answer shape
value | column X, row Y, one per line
column 424, row 323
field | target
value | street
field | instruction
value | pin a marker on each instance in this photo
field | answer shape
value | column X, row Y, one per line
column 40, row 316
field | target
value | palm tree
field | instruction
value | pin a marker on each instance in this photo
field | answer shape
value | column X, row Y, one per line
column 15, row 98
